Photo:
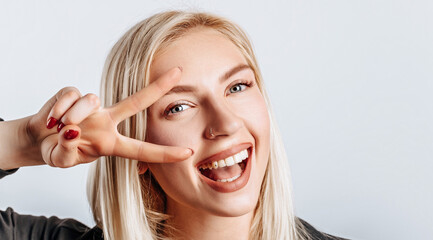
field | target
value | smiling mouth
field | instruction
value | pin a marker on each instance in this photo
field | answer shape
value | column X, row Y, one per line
column 225, row 170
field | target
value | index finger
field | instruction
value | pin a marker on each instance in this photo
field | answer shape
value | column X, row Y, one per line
column 148, row 152
column 145, row 97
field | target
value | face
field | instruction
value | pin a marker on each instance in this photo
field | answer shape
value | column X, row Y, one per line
column 218, row 111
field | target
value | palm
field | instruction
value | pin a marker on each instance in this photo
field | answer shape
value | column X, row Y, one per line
column 98, row 131
column 98, row 137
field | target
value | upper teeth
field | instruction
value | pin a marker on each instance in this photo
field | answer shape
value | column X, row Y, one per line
column 230, row 161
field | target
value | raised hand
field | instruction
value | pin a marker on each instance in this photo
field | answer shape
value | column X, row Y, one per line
column 87, row 131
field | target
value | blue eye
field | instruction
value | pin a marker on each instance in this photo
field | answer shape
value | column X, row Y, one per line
column 178, row 108
column 238, row 88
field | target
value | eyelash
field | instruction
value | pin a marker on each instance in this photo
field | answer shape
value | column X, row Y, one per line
column 169, row 109
column 241, row 82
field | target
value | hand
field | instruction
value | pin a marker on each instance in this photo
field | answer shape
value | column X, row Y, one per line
column 88, row 131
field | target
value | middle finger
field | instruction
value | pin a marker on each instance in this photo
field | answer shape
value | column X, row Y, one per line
column 145, row 97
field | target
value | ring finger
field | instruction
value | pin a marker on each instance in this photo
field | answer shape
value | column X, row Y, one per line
column 81, row 109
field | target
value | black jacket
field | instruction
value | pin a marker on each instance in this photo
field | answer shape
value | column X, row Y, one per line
column 20, row 227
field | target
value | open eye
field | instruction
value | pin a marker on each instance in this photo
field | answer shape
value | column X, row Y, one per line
column 239, row 87
column 177, row 108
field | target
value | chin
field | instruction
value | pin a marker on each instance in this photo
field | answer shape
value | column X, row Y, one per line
column 234, row 207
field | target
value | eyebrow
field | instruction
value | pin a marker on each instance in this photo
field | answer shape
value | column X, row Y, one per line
column 233, row 71
column 181, row 89
column 222, row 78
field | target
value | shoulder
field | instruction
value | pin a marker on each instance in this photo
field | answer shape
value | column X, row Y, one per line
column 309, row 232
column 18, row 226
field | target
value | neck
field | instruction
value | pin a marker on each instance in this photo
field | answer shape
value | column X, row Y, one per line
column 192, row 224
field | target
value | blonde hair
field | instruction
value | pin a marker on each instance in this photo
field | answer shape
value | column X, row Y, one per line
column 128, row 206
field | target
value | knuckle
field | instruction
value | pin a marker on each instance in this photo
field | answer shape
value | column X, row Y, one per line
column 166, row 156
column 93, row 99
column 68, row 89
column 141, row 152
column 135, row 102
column 72, row 94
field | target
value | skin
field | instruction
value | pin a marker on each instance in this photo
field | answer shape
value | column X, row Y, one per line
column 198, row 211
column 29, row 142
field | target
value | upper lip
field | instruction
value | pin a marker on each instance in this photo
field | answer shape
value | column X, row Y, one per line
column 225, row 153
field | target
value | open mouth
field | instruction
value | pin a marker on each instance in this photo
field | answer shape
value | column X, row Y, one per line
column 226, row 170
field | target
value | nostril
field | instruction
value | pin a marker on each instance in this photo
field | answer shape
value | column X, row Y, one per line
column 223, row 121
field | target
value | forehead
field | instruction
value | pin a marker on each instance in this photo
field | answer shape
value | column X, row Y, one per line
column 201, row 52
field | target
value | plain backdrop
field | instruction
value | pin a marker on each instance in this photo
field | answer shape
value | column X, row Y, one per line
column 351, row 84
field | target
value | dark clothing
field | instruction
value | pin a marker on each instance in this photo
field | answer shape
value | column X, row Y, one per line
column 20, row 227
column 16, row 226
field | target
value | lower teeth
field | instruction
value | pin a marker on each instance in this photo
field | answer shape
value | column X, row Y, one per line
column 206, row 173
column 229, row 179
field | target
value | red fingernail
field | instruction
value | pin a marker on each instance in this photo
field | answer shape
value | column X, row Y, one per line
column 51, row 122
column 70, row 134
column 61, row 125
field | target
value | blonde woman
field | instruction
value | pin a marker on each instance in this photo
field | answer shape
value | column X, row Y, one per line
column 186, row 146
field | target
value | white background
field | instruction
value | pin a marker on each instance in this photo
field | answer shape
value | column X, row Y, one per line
column 351, row 84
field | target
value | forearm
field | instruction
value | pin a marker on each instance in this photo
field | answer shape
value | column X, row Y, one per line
column 17, row 149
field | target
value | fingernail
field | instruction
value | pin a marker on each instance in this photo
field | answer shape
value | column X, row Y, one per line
column 61, row 125
column 51, row 122
column 70, row 134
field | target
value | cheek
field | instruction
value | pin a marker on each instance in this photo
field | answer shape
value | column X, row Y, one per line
column 169, row 133
column 257, row 121
column 255, row 114
column 158, row 134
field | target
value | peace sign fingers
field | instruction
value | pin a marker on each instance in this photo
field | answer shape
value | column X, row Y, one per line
column 148, row 152
column 145, row 97
column 95, row 129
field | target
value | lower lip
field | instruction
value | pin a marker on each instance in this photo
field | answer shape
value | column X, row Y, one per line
column 227, row 187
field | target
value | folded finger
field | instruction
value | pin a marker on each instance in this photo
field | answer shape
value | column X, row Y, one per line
column 61, row 150
column 149, row 152
column 65, row 99
column 81, row 109
column 145, row 97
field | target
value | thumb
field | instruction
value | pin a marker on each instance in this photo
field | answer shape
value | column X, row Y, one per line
column 62, row 150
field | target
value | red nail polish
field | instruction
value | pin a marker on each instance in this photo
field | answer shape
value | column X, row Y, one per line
column 51, row 122
column 61, row 125
column 70, row 134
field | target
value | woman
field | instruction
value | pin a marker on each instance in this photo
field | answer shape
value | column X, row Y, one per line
column 225, row 174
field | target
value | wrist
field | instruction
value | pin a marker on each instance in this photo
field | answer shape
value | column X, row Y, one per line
column 19, row 146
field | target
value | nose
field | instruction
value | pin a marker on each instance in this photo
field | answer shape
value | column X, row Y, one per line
column 222, row 121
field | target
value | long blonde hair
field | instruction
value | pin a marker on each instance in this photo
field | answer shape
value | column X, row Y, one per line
column 126, row 205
